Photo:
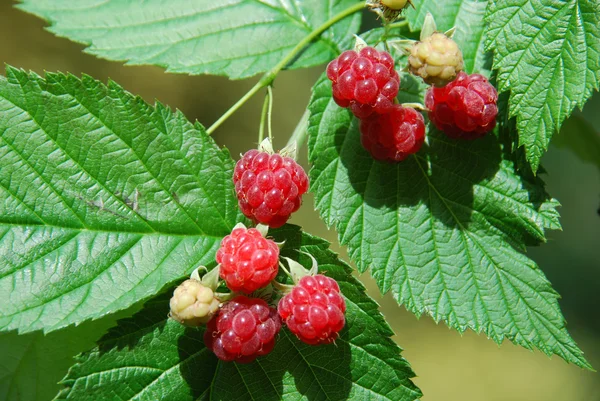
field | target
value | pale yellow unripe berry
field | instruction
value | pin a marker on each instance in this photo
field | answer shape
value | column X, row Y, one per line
column 437, row 59
column 193, row 304
column 394, row 4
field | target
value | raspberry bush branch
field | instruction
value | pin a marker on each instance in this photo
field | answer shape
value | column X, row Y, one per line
column 268, row 78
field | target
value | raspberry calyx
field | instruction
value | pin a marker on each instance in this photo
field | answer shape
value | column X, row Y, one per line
column 364, row 80
column 392, row 137
column 243, row 329
column 247, row 260
column 269, row 186
column 465, row 108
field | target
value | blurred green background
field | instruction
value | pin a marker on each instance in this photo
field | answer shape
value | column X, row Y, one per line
column 449, row 366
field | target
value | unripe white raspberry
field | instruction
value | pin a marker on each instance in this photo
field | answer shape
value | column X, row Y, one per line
column 193, row 303
column 436, row 58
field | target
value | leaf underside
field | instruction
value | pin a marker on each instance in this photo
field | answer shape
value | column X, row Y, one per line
column 104, row 199
column 444, row 230
column 236, row 38
column 547, row 54
column 149, row 357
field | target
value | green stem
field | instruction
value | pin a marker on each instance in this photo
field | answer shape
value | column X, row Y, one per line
column 300, row 132
column 398, row 24
column 270, row 112
column 269, row 77
column 263, row 115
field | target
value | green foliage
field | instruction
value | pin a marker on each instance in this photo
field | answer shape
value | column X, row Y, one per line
column 467, row 17
column 442, row 230
column 238, row 38
column 547, row 54
column 105, row 199
column 150, row 357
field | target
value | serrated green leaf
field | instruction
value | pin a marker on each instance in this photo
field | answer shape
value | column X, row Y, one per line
column 547, row 54
column 442, row 230
column 32, row 364
column 236, row 38
column 467, row 17
column 104, row 199
column 581, row 138
column 150, row 357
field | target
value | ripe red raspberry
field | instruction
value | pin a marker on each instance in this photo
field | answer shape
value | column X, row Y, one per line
column 393, row 136
column 465, row 108
column 365, row 81
column 248, row 261
column 269, row 187
column 314, row 310
column 243, row 329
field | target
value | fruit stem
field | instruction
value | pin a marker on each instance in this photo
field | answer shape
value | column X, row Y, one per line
column 300, row 132
column 263, row 115
column 398, row 24
column 270, row 75
column 270, row 112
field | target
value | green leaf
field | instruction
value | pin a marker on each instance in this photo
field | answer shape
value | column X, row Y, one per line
column 32, row 364
column 547, row 54
column 581, row 138
column 104, row 199
column 236, row 38
column 150, row 357
column 467, row 17
column 442, row 230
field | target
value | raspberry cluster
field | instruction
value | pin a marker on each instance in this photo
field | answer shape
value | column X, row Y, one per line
column 242, row 328
column 465, row 108
column 269, row 187
column 368, row 84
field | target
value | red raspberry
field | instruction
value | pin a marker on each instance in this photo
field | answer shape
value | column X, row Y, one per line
column 269, row 187
column 365, row 81
column 314, row 310
column 465, row 108
column 248, row 260
column 393, row 136
column 243, row 329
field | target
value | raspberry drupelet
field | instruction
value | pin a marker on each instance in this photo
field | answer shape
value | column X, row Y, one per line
column 243, row 329
column 247, row 260
column 314, row 310
column 465, row 108
column 269, row 187
column 393, row 136
column 364, row 81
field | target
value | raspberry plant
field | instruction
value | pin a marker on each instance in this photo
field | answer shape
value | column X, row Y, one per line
column 110, row 203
